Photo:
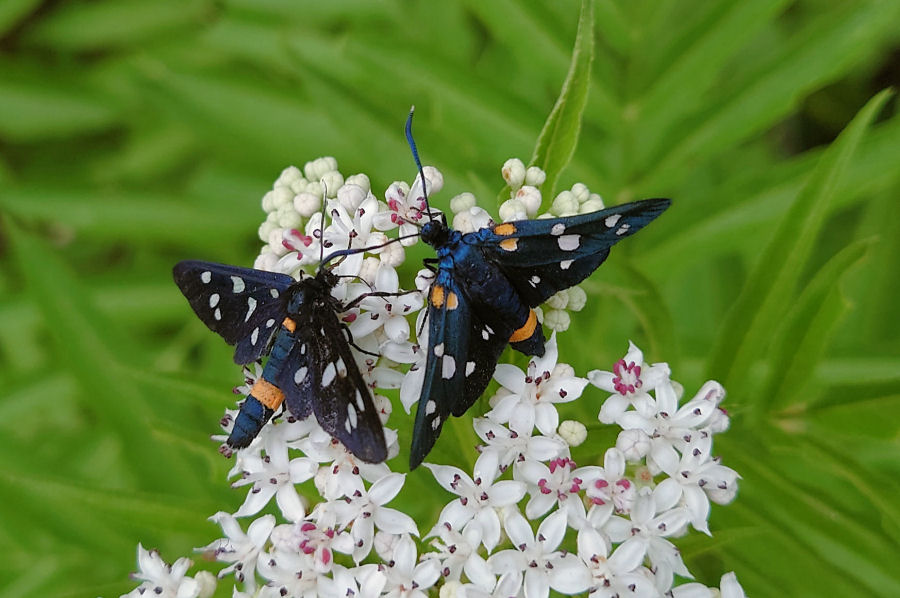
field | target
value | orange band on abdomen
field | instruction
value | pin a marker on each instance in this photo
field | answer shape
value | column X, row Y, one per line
column 289, row 324
column 268, row 394
column 526, row 330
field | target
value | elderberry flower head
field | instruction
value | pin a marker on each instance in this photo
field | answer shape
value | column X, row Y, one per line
column 524, row 518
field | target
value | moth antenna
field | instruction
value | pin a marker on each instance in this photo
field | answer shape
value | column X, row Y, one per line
column 322, row 223
column 415, row 153
column 346, row 252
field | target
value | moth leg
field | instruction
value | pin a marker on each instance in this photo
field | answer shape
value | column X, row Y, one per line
column 355, row 346
column 359, row 299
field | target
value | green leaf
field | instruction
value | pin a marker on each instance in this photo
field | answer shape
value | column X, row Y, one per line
column 802, row 338
column 33, row 110
column 93, row 350
column 91, row 26
column 759, row 97
column 558, row 139
column 13, row 12
column 746, row 332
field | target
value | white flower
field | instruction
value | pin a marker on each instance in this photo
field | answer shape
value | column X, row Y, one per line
column 457, row 552
column 406, row 205
column 630, row 382
column 289, row 573
column 698, row 478
column 610, row 490
column 478, row 498
column 405, row 579
column 365, row 510
column 536, row 555
column 382, row 310
column 612, row 575
column 274, row 475
column 532, row 395
column 240, row 549
column 646, row 531
column 670, row 428
column 514, row 446
column 160, row 579
column 352, row 583
column 557, row 483
column 352, row 231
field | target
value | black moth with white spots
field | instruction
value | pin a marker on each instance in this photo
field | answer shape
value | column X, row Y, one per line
column 310, row 366
column 485, row 288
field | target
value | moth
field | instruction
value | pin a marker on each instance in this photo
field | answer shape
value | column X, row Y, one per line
column 310, row 365
column 486, row 286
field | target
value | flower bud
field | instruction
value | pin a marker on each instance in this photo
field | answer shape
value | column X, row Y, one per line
column 634, row 444
column 534, row 176
column 360, row 180
column 512, row 209
column 288, row 176
column 591, row 205
column 573, row 432
column 581, row 192
column 577, row 298
column 307, row 204
column 530, row 198
column 565, row 204
column 513, row 172
column 558, row 301
column 557, row 320
column 351, row 196
column 462, row 202
column 333, row 181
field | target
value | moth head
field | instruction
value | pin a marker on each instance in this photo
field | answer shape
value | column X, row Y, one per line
column 435, row 232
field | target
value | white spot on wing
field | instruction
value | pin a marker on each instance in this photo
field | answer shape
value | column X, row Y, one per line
column 448, row 367
column 254, row 336
column 270, row 322
column 237, row 284
column 565, row 264
column 436, row 423
column 206, row 277
column 251, row 306
column 558, row 229
column 217, row 314
column 303, row 349
column 470, row 367
column 430, row 407
column 569, row 242
column 439, row 349
column 485, row 334
column 300, row 376
column 611, row 220
column 347, row 426
column 359, row 401
column 341, row 368
column 213, row 300
column 351, row 415
column 328, row 375
column 274, row 293
column 623, row 229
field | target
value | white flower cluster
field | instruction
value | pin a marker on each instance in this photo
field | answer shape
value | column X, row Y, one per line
column 526, row 519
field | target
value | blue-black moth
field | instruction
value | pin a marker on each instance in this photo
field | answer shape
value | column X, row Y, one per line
column 486, row 285
column 310, row 367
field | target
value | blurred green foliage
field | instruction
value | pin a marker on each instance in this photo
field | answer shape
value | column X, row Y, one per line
column 134, row 134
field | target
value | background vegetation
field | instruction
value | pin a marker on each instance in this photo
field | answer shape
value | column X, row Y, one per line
column 134, row 134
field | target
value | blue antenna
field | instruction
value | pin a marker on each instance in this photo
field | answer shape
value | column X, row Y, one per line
column 415, row 153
